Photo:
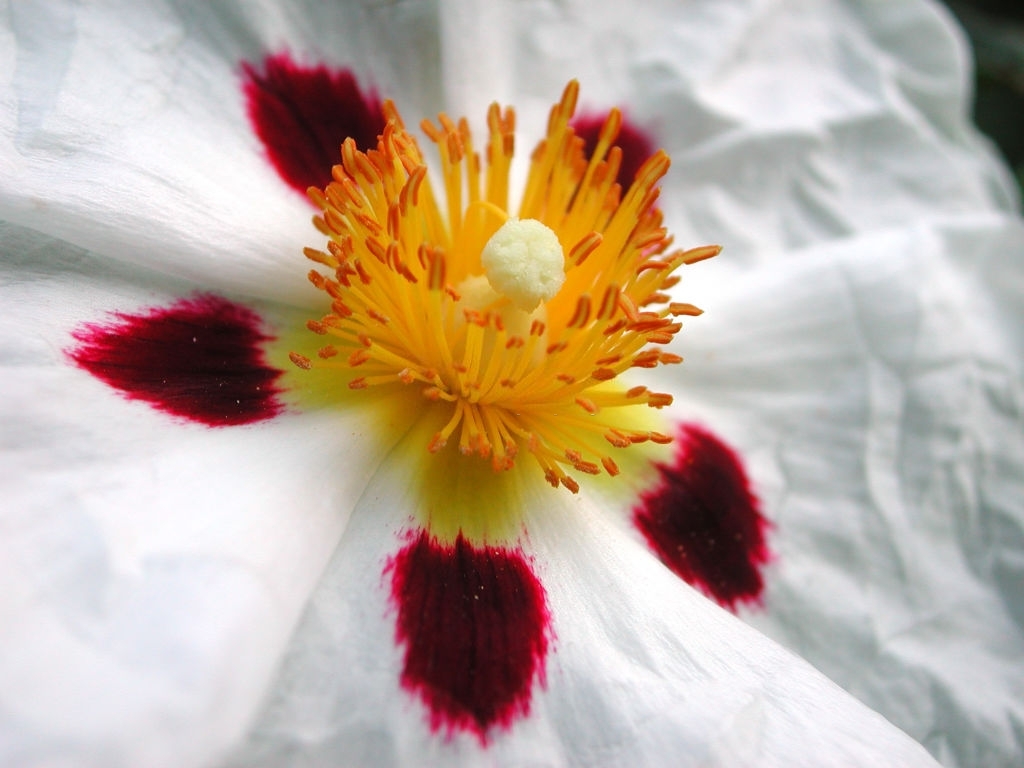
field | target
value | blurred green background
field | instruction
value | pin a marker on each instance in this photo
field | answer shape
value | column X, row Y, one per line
column 996, row 30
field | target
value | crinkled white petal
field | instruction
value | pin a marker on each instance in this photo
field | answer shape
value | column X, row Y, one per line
column 878, row 396
column 153, row 569
column 788, row 122
column 641, row 671
column 123, row 127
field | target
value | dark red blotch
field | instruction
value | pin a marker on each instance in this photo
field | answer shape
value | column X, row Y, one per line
column 200, row 359
column 475, row 627
column 303, row 114
column 636, row 146
column 704, row 522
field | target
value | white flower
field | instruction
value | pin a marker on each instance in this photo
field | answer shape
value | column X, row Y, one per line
column 861, row 349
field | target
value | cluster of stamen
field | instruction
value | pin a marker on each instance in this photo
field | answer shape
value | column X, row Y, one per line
column 398, row 269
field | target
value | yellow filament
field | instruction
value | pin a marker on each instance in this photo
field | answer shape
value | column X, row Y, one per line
column 396, row 264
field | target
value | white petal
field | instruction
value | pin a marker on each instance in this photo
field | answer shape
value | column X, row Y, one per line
column 153, row 569
column 878, row 396
column 123, row 129
column 642, row 670
column 787, row 122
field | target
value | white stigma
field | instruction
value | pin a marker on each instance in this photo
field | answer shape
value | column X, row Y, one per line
column 524, row 262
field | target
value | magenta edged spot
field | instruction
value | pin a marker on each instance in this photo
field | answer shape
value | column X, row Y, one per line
column 200, row 359
column 704, row 522
column 475, row 627
column 636, row 146
column 303, row 114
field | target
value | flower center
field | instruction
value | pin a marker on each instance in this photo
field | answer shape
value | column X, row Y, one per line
column 520, row 324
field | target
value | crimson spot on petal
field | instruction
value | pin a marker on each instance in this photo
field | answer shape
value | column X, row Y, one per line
column 199, row 358
column 704, row 522
column 303, row 114
column 475, row 626
column 636, row 146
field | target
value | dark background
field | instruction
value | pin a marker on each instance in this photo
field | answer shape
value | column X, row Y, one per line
column 996, row 30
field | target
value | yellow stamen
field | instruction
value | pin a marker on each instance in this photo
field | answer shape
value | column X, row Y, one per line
column 521, row 322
